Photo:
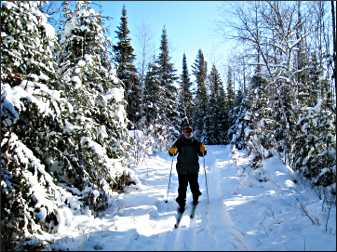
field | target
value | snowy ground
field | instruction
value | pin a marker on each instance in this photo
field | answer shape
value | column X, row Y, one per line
column 247, row 211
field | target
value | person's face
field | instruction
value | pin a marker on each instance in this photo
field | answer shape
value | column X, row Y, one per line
column 187, row 133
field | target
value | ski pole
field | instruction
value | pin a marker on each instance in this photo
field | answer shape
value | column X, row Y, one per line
column 203, row 140
column 206, row 180
column 168, row 186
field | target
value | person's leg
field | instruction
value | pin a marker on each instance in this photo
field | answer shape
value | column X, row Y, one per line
column 181, row 199
column 194, row 185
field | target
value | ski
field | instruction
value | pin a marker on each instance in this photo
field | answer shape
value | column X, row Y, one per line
column 178, row 217
column 193, row 211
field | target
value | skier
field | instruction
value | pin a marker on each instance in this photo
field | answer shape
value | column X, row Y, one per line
column 187, row 167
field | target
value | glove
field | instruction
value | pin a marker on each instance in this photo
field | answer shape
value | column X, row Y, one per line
column 202, row 149
column 172, row 151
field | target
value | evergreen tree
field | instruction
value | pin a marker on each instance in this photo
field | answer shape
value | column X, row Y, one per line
column 71, row 136
column 302, row 76
column 313, row 150
column 314, row 77
column 161, row 97
column 25, row 66
column 223, row 121
column 152, row 90
column 167, row 77
column 162, row 116
column 230, row 100
column 213, row 109
column 257, row 120
column 303, row 82
column 185, row 95
column 155, row 119
column 32, row 118
column 98, row 124
column 230, row 89
column 126, row 70
column 200, row 103
column 237, row 131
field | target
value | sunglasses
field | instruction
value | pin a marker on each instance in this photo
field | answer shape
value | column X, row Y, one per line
column 187, row 131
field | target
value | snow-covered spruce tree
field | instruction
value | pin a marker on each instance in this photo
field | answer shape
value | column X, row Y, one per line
column 230, row 99
column 237, row 131
column 301, row 59
column 236, row 113
column 313, row 151
column 240, row 112
column 160, row 100
column 315, row 72
column 32, row 119
column 213, row 127
column 230, row 89
column 97, row 139
column 185, row 96
column 20, row 33
column 223, row 121
column 313, row 147
column 200, row 100
column 154, row 118
column 126, row 71
column 151, row 92
column 313, row 142
column 258, row 120
column 253, row 126
column 167, row 77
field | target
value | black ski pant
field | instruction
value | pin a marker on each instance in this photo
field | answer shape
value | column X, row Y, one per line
column 184, row 179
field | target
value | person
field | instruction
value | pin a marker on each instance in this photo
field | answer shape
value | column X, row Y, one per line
column 188, row 149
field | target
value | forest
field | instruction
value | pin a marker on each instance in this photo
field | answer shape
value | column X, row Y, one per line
column 80, row 111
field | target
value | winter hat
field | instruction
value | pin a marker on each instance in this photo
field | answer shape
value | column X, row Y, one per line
column 185, row 125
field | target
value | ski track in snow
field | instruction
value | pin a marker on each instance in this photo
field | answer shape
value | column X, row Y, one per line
column 243, row 213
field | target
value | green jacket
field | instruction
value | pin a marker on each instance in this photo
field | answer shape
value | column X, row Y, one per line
column 188, row 155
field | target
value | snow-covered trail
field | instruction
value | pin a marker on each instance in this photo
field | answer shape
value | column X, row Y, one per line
column 247, row 211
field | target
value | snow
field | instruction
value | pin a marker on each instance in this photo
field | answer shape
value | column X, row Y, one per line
column 8, row 4
column 117, row 94
column 81, row 63
column 96, row 147
column 88, row 58
column 41, row 186
column 50, row 31
column 114, row 93
column 136, row 134
column 120, row 113
column 96, row 194
column 77, row 81
column 43, row 77
column 102, row 132
column 69, row 26
column 33, row 91
column 243, row 213
column 69, row 127
column 114, row 165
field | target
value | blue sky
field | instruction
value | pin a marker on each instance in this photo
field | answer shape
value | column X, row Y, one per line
column 190, row 25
